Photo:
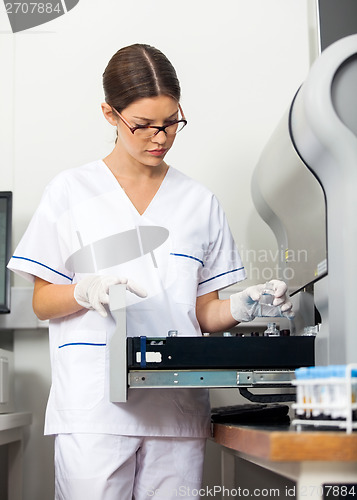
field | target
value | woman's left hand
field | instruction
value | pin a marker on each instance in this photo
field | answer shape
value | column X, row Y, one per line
column 244, row 305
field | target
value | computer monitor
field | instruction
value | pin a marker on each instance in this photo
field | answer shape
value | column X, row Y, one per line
column 5, row 249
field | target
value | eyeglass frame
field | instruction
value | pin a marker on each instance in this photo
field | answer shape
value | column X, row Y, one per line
column 158, row 129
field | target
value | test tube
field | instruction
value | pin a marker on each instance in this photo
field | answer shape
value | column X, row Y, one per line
column 267, row 295
column 271, row 330
column 300, row 374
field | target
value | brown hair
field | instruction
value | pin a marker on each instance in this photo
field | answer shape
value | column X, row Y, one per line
column 138, row 71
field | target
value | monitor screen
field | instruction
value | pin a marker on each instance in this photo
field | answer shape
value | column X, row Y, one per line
column 5, row 249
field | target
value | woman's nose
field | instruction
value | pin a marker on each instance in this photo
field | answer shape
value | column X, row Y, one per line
column 160, row 138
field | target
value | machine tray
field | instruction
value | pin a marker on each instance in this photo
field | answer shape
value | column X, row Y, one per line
column 220, row 352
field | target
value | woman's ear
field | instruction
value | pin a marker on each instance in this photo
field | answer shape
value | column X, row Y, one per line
column 109, row 114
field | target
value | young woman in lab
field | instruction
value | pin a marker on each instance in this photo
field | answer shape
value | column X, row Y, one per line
column 132, row 219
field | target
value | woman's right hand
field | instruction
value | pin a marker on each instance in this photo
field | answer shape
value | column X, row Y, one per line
column 93, row 291
column 52, row 301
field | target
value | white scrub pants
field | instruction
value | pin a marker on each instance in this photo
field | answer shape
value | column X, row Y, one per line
column 110, row 467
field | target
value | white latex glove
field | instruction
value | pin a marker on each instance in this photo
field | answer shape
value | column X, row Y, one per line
column 93, row 292
column 245, row 305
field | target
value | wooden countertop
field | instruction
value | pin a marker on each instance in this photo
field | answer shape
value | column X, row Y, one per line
column 286, row 444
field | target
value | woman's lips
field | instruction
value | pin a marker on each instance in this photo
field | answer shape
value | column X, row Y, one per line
column 157, row 152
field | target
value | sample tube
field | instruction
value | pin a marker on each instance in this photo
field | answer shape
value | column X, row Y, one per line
column 267, row 296
column 271, row 330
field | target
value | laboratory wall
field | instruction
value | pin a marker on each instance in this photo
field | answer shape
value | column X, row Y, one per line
column 240, row 63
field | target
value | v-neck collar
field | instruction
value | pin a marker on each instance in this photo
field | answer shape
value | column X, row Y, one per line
column 119, row 186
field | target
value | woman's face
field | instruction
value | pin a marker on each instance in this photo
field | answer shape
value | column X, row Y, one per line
column 158, row 111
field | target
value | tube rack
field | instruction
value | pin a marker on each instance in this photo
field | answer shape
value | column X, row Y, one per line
column 326, row 396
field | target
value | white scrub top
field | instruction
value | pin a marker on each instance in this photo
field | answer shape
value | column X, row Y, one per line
column 179, row 249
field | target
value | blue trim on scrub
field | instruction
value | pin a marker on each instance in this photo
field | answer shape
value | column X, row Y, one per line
column 188, row 257
column 81, row 343
column 219, row 275
column 43, row 265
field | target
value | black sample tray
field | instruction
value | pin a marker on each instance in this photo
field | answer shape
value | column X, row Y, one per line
column 220, row 352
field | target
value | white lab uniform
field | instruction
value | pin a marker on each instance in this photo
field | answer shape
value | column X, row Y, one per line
column 84, row 207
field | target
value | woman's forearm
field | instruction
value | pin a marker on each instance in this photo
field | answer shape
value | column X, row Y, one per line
column 214, row 314
column 53, row 301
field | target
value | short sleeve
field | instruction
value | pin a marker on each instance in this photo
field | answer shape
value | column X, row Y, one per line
column 39, row 252
column 222, row 263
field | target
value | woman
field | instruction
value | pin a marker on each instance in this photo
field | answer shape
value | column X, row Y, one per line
column 130, row 218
